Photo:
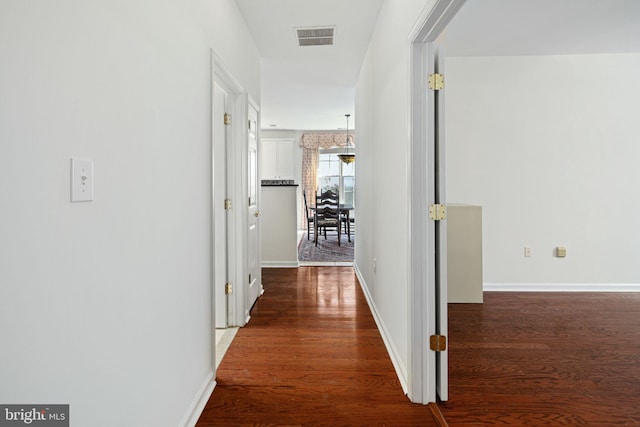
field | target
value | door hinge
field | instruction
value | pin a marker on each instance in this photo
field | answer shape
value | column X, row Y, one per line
column 438, row 342
column 227, row 118
column 436, row 81
column 437, row 212
column 227, row 204
column 228, row 288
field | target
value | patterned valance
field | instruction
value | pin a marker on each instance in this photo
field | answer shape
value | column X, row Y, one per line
column 325, row 140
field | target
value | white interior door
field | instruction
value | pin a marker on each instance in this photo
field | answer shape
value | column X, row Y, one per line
column 437, row 237
column 440, row 232
column 221, row 275
column 253, row 214
column 429, row 369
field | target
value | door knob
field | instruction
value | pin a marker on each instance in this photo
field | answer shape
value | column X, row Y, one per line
column 257, row 214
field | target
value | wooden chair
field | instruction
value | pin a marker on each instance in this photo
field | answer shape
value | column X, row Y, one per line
column 348, row 222
column 327, row 214
column 308, row 215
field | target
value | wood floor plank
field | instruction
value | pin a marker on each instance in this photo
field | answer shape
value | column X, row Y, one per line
column 545, row 359
column 310, row 356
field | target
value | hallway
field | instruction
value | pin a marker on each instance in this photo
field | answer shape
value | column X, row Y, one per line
column 311, row 355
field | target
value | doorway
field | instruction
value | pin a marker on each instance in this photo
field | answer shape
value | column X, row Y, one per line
column 233, row 243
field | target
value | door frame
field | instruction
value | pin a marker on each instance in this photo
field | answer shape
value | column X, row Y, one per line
column 238, row 101
column 422, row 294
column 220, row 215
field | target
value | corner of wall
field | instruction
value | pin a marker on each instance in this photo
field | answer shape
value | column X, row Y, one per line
column 396, row 360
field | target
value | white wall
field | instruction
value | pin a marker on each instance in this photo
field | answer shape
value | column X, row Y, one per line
column 382, row 112
column 548, row 145
column 106, row 305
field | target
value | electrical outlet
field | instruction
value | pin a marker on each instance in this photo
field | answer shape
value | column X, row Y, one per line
column 527, row 252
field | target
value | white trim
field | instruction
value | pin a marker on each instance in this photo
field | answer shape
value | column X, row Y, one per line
column 422, row 376
column 199, row 402
column 561, row 287
column 237, row 105
column 326, row 263
column 223, row 74
column 277, row 139
column 280, row 264
column 433, row 20
column 396, row 360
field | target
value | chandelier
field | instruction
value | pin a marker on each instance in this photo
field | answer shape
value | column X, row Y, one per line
column 348, row 156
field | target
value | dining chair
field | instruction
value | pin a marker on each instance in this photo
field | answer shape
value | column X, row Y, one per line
column 308, row 215
column 348, row 221
column 327, row 214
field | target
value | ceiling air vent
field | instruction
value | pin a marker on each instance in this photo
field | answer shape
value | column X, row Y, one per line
column 316, row 36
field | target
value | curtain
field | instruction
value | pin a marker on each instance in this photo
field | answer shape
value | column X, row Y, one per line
column 311, row 144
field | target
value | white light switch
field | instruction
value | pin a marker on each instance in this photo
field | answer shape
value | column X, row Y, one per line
column 81, row 180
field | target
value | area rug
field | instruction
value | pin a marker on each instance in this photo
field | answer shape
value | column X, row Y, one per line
column 327, row 250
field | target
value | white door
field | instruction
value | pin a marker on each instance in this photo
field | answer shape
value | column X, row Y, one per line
column 253, row 215
column 436, row 181
column 221, row 275
column 429, row 369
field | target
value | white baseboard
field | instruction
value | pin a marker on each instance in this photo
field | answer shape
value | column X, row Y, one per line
column 400, row 368
column 199, row 402
column 326, row 263
column 561, row 287
column 280, row 264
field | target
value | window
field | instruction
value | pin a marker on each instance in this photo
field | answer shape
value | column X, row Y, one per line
column 337, row 176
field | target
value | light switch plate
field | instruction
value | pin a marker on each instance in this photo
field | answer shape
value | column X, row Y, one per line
column 81, row 180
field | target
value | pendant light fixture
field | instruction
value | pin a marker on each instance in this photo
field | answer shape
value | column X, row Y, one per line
column 347, row 157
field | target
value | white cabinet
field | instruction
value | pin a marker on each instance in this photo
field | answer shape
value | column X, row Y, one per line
column 277, row 158
column 464, row 253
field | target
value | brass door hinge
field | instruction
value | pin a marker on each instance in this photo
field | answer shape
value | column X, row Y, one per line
column 227, row 204
column 228, row 288
column 438, row 342
column 227, row 118
column 437, row 212
column 436, row 81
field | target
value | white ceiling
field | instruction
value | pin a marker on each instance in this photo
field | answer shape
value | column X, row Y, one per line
column 543, row 27
column 312, row 88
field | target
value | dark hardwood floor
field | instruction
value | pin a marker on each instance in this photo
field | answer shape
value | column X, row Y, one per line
column 545, row 359
column 311, row 355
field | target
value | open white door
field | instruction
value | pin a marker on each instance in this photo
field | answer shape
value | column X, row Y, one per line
column 429, row 363
column 437, row 237
column 440, row 232
column 253, row 214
